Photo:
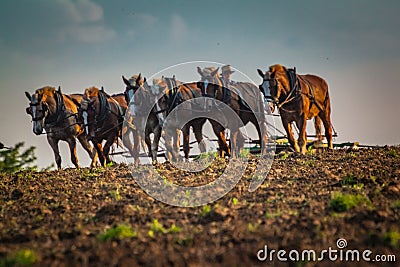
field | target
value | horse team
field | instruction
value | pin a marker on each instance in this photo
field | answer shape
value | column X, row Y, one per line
column 100, row 118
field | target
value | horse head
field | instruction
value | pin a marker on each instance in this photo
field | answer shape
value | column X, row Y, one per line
column 132, row 84
column 210, row 81
column 275, row 85
column 162, row 90
column 42, row 104
column 89, row 109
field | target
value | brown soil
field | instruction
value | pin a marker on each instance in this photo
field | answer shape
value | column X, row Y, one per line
column 60, row 215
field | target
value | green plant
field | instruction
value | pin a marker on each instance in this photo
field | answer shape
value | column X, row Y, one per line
column 206, row 155
column 392, row 238
column 245, row 153
column 23, row 257
column 392, row 153
column 349, row 179
column 205, row 210
column 235, row 201
column 351, row 155
column 252, row 227
column 117, row 233
column 12, row 160
column 343, row 202
column 115, row 194
column 284, row 155
column 396, row 204
column 310, row 150
column 157, row 227
column 269, row 215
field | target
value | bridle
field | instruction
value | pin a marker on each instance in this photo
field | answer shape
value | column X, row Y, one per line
column 44, row 110
column 294, row 94
column 54, row 119
column 101, row 115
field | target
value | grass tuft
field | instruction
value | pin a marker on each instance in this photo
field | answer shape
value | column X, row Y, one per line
column 343, row 202
column 117, row 233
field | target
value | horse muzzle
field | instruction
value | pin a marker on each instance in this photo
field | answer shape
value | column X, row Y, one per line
column 38, row 130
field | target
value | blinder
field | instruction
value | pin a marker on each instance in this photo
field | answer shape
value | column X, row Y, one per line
column 43, row 110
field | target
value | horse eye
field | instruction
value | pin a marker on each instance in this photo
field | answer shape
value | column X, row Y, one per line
column 29, row 110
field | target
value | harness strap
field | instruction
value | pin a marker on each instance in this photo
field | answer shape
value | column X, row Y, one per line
column 60, row 114
column 311, row 95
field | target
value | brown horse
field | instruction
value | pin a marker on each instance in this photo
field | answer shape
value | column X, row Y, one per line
column 141, row 103
column 56, row 113
column 103, row 116
column 299, row 98
column 244, row 99
column 180, row 96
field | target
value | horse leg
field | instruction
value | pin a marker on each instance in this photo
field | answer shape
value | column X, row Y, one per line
column 264, row 138
column 154, row 145
column 126, row 140
column 136, row 141
column 317, row 126
column 54, row 145
column 289, row 131
column 325, row 117
column 302, row 141
column 235, row 142
column 99, row 148
column 262, row 135
column 197, row 129
column 107, row 146
column 89, row 149
column 147, row 140
column 186, row 140
column 72, row 148
column 168, row 145
column 219, row 131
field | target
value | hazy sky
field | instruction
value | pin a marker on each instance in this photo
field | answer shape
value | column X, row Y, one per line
column 354, row 45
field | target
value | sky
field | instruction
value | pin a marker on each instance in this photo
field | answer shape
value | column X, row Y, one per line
column 353, row 45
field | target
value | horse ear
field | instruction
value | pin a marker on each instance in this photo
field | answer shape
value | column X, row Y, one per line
column 102, row 89
column 200, row 71
column 125, row 80
column 144, row 80
column 261, row 73
column 59, row 89
column 138, row 78
column 215, row 72
column 28, row 96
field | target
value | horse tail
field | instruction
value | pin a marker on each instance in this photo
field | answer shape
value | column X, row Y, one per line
column 327, row 97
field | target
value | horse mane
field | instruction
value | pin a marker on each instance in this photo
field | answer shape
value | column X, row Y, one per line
column 277, row 68
column 91, row 91
column 47, row 90
column 209, row 70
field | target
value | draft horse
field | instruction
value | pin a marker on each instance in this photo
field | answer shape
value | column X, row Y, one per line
column 103, row 116
column 140, row 101
column 179, row 97
column 244, row 99
column 299, row 98
column 56, row 113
